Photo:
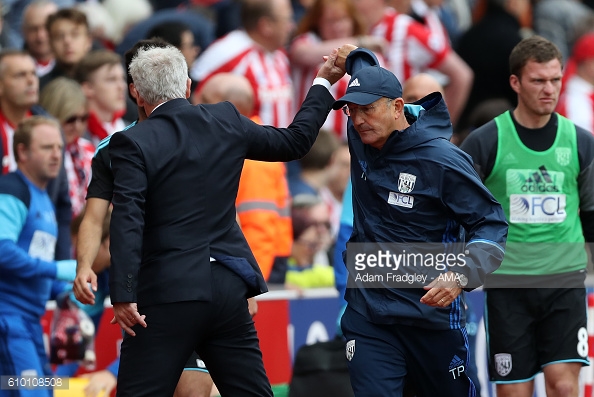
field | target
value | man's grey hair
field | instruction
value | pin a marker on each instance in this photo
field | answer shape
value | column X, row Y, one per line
column 159, row 74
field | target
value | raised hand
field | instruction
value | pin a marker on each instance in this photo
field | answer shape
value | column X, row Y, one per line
column 343, row 53
column 329, row 70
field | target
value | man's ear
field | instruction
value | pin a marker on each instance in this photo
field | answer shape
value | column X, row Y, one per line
column 188, row 88
column 22, row 151
column 398, row 105
column 514, row 82
column 136, row 95
column 132, row 90
column 87, row 89
column 139, row 99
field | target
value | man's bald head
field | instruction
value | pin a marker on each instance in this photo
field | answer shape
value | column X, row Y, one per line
column 228, row 87
column 419, row 86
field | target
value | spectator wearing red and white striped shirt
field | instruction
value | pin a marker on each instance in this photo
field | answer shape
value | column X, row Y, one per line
column 427, row 12
column 256, row 52
column 413, row 49
column 577, row 101
column 327, row 24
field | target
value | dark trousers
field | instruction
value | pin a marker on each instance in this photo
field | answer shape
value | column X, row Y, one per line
column 394, row 359
column 222, row 332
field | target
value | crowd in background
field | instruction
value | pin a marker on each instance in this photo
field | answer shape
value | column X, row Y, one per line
column 76, row 50
column 65, row 58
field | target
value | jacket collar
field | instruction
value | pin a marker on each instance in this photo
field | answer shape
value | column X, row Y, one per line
column 171, row 104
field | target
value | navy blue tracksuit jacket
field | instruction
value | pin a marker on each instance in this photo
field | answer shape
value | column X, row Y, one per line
column 446, row 195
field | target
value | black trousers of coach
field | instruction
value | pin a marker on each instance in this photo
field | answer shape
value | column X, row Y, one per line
column 222, row 332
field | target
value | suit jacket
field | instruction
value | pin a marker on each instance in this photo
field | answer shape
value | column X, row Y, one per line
column 176, row 177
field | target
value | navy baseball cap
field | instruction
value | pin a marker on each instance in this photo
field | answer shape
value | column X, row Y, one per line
column 369, row 84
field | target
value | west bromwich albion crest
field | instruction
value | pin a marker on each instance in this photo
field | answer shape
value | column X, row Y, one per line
column 503, row 363
column 563, row 155
column 406, row 182
column 350, row 349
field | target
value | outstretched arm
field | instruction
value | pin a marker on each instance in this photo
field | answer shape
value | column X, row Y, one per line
column 266, row 143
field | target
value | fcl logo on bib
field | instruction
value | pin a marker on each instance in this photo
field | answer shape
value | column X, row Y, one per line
column 406, row 182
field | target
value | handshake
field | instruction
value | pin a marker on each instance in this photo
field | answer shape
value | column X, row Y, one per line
column 335, row 66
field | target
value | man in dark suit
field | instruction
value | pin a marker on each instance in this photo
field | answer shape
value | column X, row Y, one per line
column 178, row 256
